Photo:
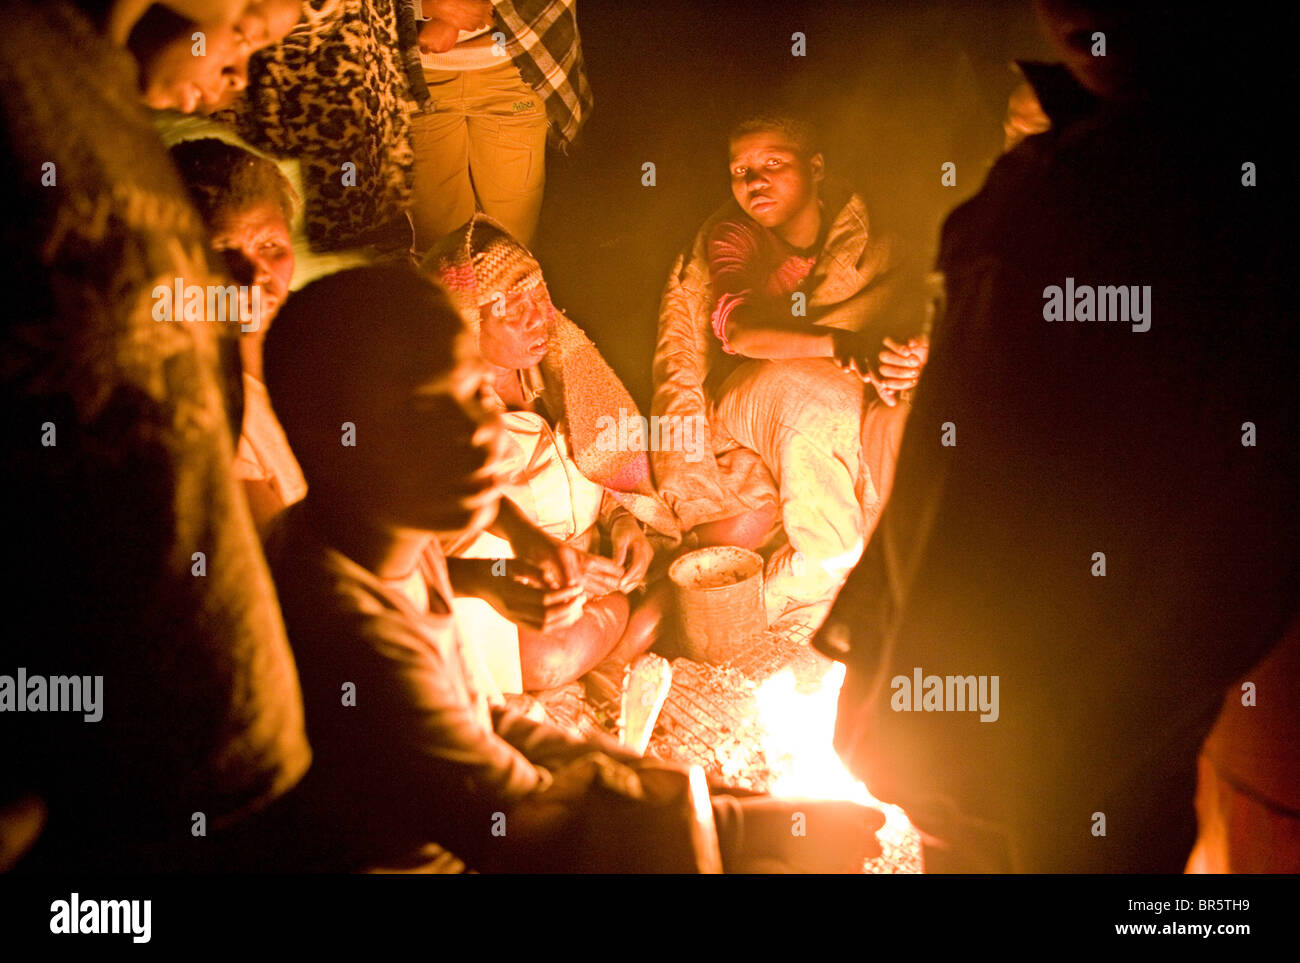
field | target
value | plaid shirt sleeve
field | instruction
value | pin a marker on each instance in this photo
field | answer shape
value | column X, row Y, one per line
column 408, row 38
column 542, row 39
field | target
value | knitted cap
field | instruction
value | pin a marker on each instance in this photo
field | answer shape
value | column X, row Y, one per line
column 480, row 260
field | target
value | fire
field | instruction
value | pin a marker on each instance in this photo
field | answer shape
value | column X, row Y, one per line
column 797, row 743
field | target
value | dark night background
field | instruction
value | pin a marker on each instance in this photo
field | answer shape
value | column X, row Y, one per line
column 896, row 88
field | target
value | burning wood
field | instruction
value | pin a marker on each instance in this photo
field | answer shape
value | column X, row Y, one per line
column 797, row 729
column 764, row 723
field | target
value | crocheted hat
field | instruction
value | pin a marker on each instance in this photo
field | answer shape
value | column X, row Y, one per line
column 480, row 260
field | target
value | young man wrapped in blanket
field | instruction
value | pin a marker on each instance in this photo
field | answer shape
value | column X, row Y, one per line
column 771, row 328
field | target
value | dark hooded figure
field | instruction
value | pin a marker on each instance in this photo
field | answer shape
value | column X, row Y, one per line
column 1093, row 530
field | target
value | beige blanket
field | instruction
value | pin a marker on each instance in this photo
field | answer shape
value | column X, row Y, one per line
column 852, row 285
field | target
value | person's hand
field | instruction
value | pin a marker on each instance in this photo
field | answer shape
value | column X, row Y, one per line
column 522, row 597
column 900, row 364
column 810, row 835
column 855, row 352
column 437, row 36
column 560, row 564
column 461, row 14
column 600, row 576
column 632, row 551
column 852, row 351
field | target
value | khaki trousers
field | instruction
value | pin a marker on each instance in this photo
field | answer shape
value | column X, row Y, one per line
column 481, row 145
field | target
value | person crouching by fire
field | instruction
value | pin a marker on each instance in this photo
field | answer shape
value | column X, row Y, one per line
column 793, row 301
column 555, row 394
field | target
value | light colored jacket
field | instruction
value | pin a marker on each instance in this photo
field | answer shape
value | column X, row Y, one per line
column 850, row 286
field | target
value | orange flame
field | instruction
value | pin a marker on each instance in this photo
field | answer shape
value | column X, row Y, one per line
column 797, row 732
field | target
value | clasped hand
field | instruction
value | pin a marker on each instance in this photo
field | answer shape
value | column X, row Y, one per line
column 895, row 369
column 548, row 584
column 445, row 19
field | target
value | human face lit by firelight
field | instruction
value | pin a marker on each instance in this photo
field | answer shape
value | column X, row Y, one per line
column 774, row 181
column 514, row 330
column 257, row 250
column 204, row 67
column 447, row 446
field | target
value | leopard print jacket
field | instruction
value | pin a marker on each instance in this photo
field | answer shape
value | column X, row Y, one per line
column 337, row 94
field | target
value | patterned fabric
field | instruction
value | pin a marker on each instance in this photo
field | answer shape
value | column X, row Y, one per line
column 750, row 263
column 542, row 39
column 339, row 91
column 479, row 261
column 849, row 286
column 408, row 36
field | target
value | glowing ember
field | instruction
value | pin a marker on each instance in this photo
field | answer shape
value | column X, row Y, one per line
column 797, row 731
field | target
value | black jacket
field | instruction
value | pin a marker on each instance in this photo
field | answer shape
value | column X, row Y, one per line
column 1075, row 438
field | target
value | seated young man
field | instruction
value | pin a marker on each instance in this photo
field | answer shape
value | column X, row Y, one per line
column 769, row 327
column 378, row 387
column 553, row 390
column 247, row 205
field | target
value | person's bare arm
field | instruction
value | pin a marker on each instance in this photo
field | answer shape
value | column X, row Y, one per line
column 751, row 334
column 561, row 564
column 755, row 334
column 748, row 325
column 518, row 593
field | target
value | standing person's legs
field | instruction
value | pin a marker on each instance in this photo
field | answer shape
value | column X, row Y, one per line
column 507, row 148
column 443, row 194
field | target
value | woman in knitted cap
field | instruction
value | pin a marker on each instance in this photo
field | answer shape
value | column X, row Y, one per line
column 555, row 393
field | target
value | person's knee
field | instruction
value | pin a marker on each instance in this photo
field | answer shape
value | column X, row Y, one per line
column 550, row 666
column 558, row 658
column 747, row 530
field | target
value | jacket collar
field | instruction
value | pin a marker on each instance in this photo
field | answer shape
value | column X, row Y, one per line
column 1063, row 98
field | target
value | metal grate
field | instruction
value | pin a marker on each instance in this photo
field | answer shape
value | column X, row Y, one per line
column 710, row 719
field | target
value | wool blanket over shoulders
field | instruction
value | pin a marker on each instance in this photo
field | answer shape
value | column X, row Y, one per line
column 853, row 285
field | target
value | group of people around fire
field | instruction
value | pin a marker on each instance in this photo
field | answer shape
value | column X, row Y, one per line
column 321, row 558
